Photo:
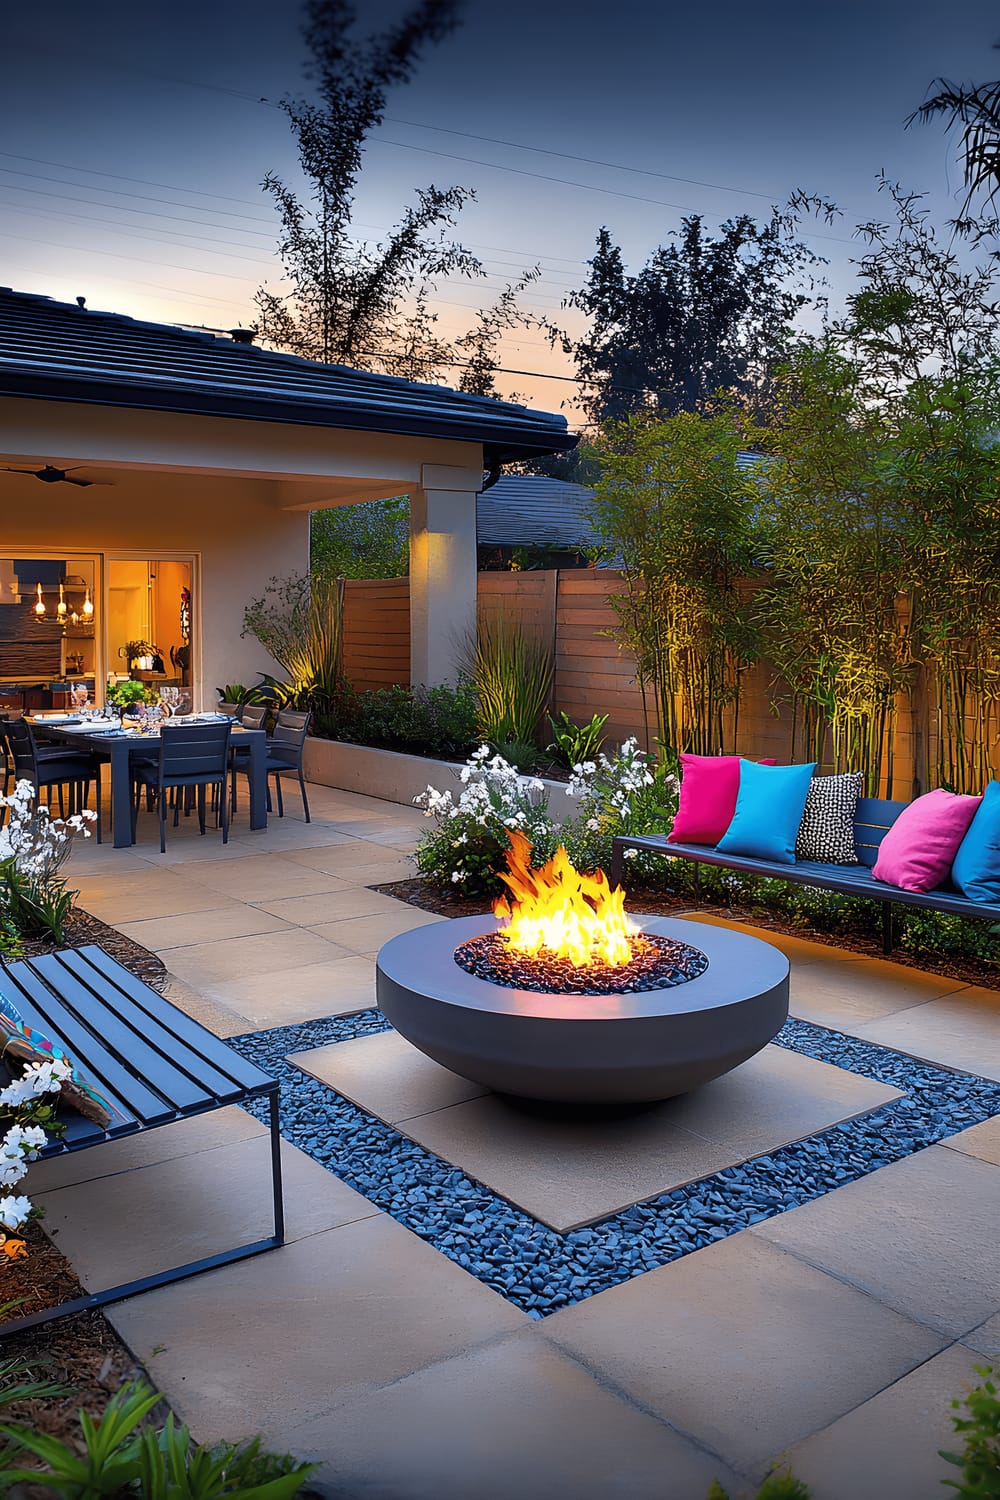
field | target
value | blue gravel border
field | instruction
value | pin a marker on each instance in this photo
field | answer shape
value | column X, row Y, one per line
column 540, row 1270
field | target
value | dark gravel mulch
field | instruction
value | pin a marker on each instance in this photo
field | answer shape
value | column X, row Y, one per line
column 641, row 902
column 82, row 928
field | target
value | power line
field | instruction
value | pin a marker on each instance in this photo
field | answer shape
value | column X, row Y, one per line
column 129, row 230
column 590, row 161
column 139, row 259
column 123, row 208
column 41, row 161
column 568, row 182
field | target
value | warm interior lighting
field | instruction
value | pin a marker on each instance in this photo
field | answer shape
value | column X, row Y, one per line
column 62, row 609
column 74, row 618
column 557, row 911
column 40, row 605
column 88, row 605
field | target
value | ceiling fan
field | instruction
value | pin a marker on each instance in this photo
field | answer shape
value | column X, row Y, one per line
column 51, row 475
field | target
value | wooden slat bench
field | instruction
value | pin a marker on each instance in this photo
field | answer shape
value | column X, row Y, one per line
column 875, row 816
column 151, row 1063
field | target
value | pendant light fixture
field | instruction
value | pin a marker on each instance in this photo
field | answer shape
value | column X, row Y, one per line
column 62, row 609
column 40, row 605
column 88, row 605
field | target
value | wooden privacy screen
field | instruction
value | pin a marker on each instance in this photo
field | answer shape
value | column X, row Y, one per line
column 593, row 675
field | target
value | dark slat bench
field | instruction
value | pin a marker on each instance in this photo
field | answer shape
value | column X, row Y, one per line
column 875, row 816
column 151, row 1063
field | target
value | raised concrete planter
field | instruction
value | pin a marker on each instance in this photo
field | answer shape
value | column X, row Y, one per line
column 396, row 777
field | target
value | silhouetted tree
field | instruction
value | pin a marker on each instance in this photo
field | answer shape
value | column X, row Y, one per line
column 352, row 302
column 703, row 315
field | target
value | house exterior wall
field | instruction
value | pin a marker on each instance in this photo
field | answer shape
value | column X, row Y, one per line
column 236, row 494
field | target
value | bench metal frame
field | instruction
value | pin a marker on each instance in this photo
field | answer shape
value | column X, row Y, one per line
column 153, row 1065
column 875, row 816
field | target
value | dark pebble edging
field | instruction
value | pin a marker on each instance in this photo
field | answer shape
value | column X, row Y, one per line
column 540, row 1270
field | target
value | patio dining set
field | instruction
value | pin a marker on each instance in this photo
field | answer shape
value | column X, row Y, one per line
column 175, row 766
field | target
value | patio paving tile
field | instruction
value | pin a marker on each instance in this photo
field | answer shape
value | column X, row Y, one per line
column 183, row 1138
column 204, row 965
column 921, row 1235
column 979, row 1140
column 285, row 997
column 262, row 877
column 985, row 1339
column 381, row 871
column 220, row 1019
column 743, row 1347
column 961, row 1031
column 138, row 894
column 230, row 920
column 156, row 1216
column 516, row 1418
column 333, row 906
column 393, row 1080
column 266, row 1344
column 889, row 1445
column 847, row 995
column 340, row 858
column 367, row 934
column 569, row 1172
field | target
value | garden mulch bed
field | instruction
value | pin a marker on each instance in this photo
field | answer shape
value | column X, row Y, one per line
column 83, row 1352
column 645, row 902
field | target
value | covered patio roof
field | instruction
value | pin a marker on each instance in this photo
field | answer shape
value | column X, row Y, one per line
column 61, row 351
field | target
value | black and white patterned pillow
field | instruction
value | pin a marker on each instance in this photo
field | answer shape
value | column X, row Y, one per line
column 826, row 832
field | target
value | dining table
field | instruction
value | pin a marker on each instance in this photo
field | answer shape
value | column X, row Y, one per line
column 121, row 746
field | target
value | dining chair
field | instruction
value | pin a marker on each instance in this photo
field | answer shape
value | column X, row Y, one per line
column 52, row 766
column 254, row 715
column 285, row 750
column 192, row 756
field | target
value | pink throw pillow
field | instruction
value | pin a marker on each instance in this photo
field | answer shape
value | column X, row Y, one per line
column 709, row 788
column 918, row 850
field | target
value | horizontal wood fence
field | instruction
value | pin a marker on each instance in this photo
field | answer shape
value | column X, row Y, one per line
column 593, row 675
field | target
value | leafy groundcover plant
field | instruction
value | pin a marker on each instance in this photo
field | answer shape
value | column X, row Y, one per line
column 123, row 1455
column 629, row 792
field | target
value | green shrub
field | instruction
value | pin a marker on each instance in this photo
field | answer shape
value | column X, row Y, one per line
column 299, row 621
column 469, row 843
column 437, row 721
column 512, row 672
column 979, row 1459
column 575, row 743
column 629, row 792
column 123, row 1456
column 781, row 1485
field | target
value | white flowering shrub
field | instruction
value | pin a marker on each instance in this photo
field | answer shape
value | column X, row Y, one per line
column 27, row 1112
column 628, row 792
column 468, row 844
column 34, row 898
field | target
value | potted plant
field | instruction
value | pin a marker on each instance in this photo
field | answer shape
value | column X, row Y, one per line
column 127, row 694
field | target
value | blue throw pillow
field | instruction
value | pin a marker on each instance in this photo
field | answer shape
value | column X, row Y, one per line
column 769, row 808
column 976, row 868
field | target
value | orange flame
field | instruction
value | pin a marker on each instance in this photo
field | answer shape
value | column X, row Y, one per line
column 557, row 911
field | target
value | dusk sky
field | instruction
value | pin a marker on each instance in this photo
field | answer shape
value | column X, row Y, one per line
column 133, row 142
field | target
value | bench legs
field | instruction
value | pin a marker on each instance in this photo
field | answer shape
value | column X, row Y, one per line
column 888, row 927
column 178, row 1273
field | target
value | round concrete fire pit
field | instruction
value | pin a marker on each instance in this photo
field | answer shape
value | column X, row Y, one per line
column 596, row 1049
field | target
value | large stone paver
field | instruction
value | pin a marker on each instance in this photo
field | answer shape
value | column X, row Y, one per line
column 569, row 1171
column 743, row 1347
column 332, row 906
column 286, row 997
column 227, row 920
column 799, row 950
column 393, row 1081
column 890, row 1446
column 847, row 995
column 513, row 1419
column 137, row 894
column 979, row 1140
column 222, row 1127
column 271, row 1342
column 367, row 934
column 985, row 1339
column 262, row 877
column 921, row 1235
column 205, row 964
column 960, row 1031
column 134, row 1223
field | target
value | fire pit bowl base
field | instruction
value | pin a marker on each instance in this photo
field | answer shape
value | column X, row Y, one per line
column 585, row 1049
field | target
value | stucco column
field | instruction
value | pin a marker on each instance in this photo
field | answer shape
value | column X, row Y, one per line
column 442, row 570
